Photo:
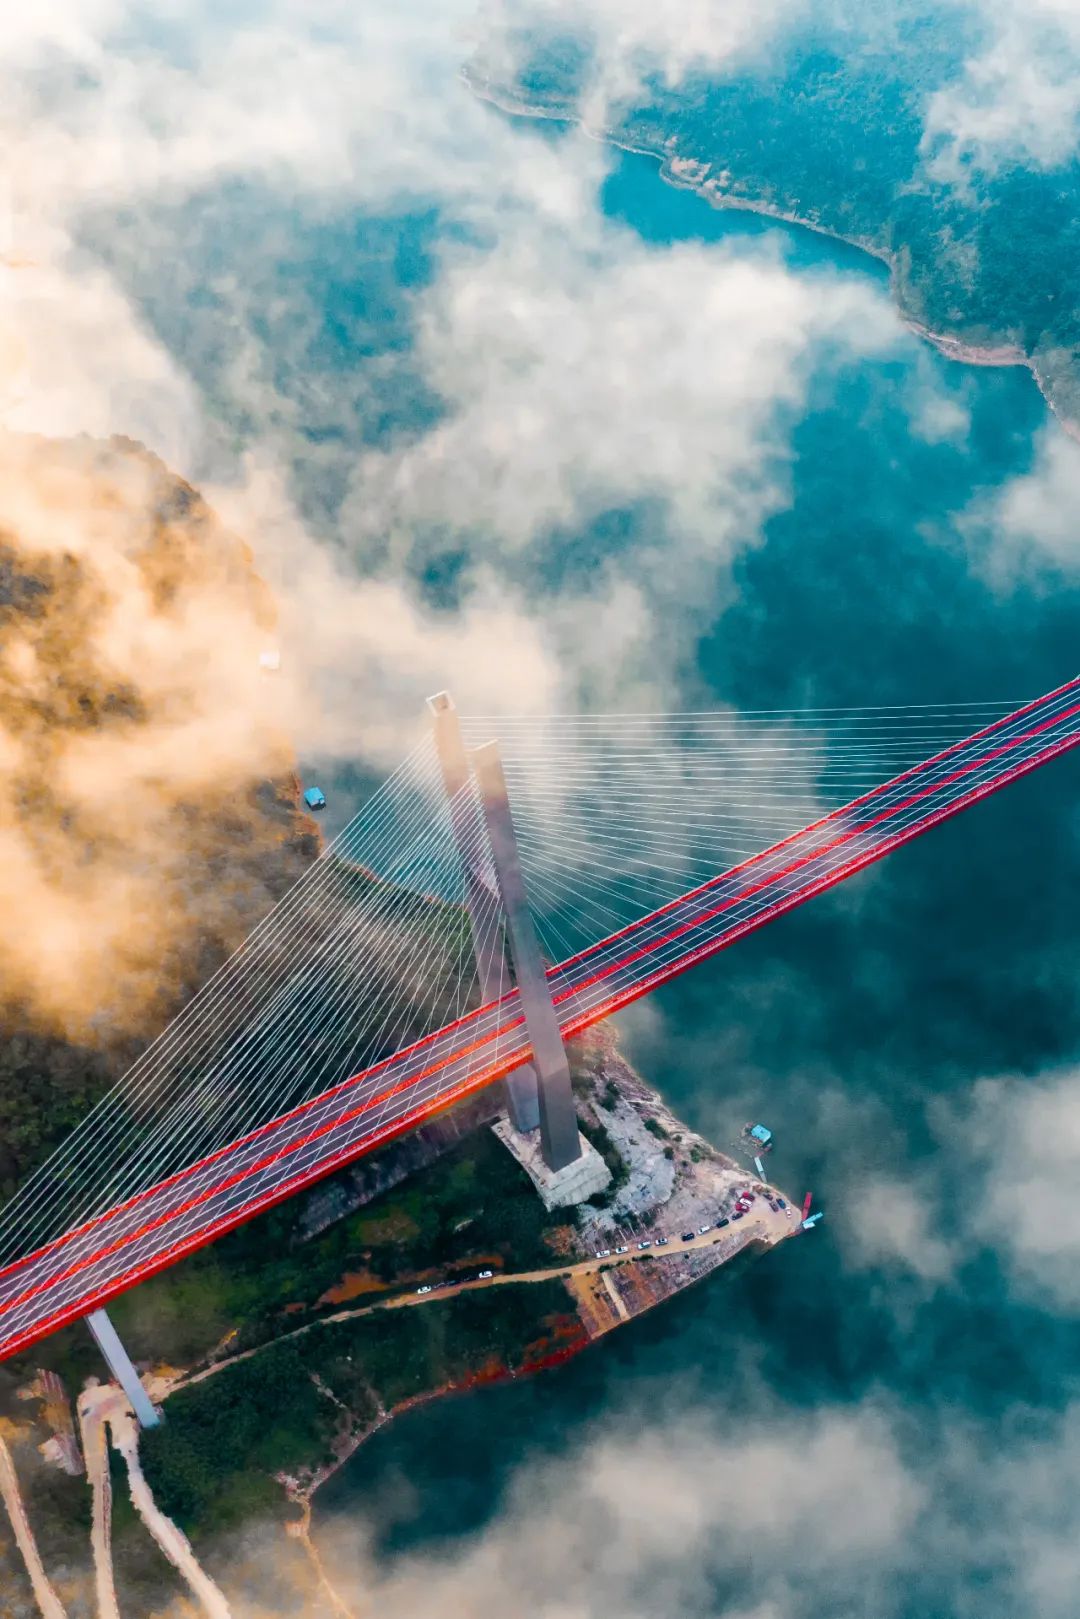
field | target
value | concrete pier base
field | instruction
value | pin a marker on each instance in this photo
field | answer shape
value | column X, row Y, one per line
column 558, row 1188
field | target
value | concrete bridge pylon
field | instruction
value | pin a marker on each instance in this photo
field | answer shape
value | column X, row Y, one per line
column 522, row 1096
column 559, row 1137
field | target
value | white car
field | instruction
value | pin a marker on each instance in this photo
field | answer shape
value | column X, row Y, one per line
column 602, row 1253
column 623, row 1250
column 485, row 1275
column 701, row 1230
column 423, row 1290
column 646, row 1244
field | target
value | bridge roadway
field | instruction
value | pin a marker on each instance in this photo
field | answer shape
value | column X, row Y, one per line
column 84, row 1267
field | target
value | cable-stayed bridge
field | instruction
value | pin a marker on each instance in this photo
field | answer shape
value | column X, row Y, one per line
column 403, row 971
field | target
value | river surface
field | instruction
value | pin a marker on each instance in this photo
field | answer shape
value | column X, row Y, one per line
column 857, row 1027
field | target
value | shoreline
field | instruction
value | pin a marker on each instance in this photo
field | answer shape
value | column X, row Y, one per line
column 304, row 1492
column 612, row 1294
column 947, row 344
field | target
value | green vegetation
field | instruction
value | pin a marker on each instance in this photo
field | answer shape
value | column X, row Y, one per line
column 212, row 1462
column 191, row 878
column 475, row 1203
column 47, row 1086
column 225, row 1439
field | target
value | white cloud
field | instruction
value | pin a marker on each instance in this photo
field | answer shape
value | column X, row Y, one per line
column 317, row 102
column 1026, row 528
column 650, row 1519
column 895, row 1223
column 756, row 1513
column 584, row 371
column 318, row 98
column 581, row 373
column 625, row 43
column 579, row 370
column 1016, row 100
column 363, row 651
column 1026, row 1132
column 939, row 418
column 1035, row 513
column 79, row 359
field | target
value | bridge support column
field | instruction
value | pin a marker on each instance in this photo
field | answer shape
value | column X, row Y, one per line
column 559, row 1136
column 119, row 1364
column 489, row 948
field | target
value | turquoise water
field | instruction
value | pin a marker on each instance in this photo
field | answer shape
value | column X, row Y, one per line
column 843, row 1024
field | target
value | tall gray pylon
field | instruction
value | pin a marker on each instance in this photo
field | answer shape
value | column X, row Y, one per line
column 559, row 1136
column 489, row 949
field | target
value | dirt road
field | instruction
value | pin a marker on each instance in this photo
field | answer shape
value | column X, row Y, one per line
column 104, row 1412
column 171, row 1539
column 47, row 1600
column 91, row 1406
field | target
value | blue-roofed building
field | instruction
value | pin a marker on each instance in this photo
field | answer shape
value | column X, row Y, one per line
column 759, row 1133
column 315, row 798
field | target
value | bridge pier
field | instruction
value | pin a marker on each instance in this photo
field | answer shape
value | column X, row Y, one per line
column 522, row 1097
column 559, row 1137
column 119, row 1363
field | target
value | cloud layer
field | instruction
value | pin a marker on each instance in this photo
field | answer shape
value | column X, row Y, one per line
column 571, row 370
column 1016, row 100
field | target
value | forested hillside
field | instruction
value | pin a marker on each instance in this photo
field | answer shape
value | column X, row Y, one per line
column 146, row 820
column 831, row 128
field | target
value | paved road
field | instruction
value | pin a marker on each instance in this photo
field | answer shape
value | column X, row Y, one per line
column 122, row 1246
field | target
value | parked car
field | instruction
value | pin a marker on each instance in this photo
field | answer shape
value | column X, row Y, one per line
column 423, row 1289
column 688, row 1236
column 623, row 1249
column 646, row 1243
column 662, row 1242
column 701, row 1230
column 602, row 1253
column 720, row 1224
column 485, row 1275
column 781, row 1202
column 738, row 1214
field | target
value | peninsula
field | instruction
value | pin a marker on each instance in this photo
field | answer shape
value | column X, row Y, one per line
column 431, row 1268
